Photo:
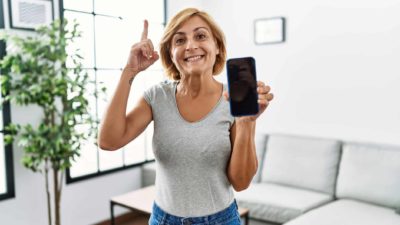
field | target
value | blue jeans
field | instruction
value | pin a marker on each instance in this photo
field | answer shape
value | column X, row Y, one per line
column 228, row 216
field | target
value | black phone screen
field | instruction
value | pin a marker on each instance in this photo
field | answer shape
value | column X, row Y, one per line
column 242, row 84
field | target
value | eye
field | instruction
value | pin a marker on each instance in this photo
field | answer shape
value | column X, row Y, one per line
column 201, row 36
column 179, row 41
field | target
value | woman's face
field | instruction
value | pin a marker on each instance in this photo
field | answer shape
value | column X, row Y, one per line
column 193, row 48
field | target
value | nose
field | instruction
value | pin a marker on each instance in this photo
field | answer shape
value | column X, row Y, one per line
column 191, row 44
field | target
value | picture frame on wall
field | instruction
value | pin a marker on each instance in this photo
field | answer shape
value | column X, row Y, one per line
column 269, row 30
column 30, row 14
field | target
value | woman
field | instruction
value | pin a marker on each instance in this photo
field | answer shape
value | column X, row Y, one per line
column 201, row 151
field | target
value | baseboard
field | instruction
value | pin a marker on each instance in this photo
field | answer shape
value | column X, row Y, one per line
column 124, row 218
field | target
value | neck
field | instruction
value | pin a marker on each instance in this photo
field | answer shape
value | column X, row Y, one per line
column 197, row 85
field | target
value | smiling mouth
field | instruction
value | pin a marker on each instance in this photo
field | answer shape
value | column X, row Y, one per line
column 194, row 58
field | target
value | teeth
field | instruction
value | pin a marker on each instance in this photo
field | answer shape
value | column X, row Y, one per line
column 193, row 58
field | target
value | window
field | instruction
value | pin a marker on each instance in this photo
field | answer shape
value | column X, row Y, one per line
column 6, row 159
column 109, row 28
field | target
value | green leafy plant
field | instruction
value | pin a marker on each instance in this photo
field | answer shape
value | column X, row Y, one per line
column 34, row 73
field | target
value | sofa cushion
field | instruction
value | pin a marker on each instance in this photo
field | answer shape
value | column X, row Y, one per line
column 261, row 144
column 348, row 212
column 370, row 173
column 277, row 203
column 310, row 163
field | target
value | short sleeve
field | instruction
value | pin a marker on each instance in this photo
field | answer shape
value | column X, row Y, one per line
column 149, row 95
column 158, row 94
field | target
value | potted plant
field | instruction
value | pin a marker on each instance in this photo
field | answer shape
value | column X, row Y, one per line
column 34, row 73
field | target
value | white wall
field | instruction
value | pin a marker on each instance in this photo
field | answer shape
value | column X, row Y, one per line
column 174, row 6
column 336, row 76
column 82, row 203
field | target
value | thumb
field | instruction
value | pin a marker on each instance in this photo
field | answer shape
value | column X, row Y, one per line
column 154, row 57
column 226, row 95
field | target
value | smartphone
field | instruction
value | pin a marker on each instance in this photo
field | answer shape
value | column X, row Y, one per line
column 242, row 86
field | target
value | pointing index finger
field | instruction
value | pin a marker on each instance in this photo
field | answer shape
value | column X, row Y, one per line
column 145, row 30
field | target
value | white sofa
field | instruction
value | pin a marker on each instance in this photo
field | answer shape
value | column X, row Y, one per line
column 314, row 181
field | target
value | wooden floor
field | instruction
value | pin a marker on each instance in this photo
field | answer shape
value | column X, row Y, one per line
column 139, row 220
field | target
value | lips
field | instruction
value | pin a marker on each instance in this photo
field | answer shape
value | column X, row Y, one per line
column 194, row 58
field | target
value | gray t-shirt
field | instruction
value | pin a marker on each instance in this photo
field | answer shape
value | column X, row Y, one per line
column 191, row 158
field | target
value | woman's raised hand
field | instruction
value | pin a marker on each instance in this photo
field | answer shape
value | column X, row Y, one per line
column 142, row 54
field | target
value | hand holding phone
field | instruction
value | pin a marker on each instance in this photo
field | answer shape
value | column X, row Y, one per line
column 242, row 85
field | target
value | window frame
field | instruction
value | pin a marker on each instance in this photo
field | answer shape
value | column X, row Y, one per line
column 99, row 173
column 8, row 149
column 8, row 154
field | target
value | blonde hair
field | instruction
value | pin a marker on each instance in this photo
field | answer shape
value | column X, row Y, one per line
column 172, row 27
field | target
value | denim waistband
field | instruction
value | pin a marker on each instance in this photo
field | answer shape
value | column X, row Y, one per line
column 225, row 214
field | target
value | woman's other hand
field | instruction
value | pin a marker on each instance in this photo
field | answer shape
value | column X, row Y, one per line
column 142, row 54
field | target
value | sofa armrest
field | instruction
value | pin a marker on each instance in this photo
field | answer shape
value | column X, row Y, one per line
column 261, row 145
column 148, row 174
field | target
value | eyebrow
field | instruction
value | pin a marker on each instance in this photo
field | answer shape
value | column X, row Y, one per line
column 196, row 29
